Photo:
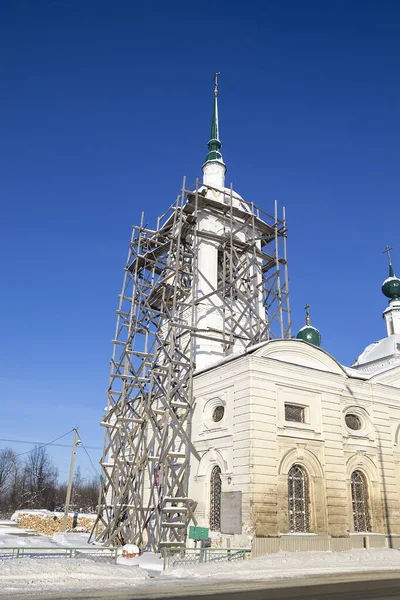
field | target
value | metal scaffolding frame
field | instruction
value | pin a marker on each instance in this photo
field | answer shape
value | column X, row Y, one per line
column 147, row 443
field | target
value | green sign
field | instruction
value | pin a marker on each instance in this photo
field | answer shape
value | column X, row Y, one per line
column 198, row 533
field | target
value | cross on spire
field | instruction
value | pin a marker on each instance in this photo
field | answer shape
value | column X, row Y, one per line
column 387, row 251
column 307, row 309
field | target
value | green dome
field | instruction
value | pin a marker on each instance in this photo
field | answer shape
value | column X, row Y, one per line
column 391, row 286
column 309, row 334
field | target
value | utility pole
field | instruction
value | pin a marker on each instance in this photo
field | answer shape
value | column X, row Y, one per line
column 76, row 443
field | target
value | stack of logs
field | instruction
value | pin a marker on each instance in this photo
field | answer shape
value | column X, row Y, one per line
column 47, row 524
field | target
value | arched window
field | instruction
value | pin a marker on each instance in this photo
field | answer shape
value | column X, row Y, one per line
column 359, row 498
column 215, row 499
column 298, row 499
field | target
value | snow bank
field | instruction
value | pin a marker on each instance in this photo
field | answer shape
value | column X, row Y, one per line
column 20, row 575
column 7, row 523
column 292, row 564
column 56, row 575
column 9, row 538
column 28, row 541
column 15, row 531
column 75, row 540
column 149, row 561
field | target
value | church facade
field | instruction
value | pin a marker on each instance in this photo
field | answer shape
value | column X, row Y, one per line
column 308, row 445
column 290, row 441
column 218, row 419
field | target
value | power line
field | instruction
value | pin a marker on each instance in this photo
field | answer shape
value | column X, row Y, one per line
column 41, row 443
column 91, row 462
column 81, row 464
column 48, row 443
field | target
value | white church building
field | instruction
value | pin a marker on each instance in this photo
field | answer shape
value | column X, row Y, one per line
column 289, row 440
column 213, row 419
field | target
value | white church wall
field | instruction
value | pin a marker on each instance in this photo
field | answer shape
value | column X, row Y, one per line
column 263, row 465
column 390, row 377
column 339, row 392
column 225, row 444
column 257, row 446
column 337, row 444
column 278, row 384
column 386, row 466
column 334, row 459
column 376, row 442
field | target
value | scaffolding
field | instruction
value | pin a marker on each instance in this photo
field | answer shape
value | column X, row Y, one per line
column 164, row 318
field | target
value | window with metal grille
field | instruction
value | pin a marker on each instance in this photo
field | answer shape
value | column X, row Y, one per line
column 294, row 412
column 353, row 422
column 215, row 499
column 298, row 500
column 359, row 497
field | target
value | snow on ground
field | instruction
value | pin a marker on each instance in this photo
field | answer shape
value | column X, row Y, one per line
column 14, row 531
column 76, row 540
column 11, row 529
column 37, row 575
column 30, row 541
column 151, row 562
column 68, row 575
column 292, row 564
column 14, row 537
column 19, row 537
column 7, row 523
column 64, row 574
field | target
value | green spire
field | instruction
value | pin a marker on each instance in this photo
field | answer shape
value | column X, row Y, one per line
column 214, row 144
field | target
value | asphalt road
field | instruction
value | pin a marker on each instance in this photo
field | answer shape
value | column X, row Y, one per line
column 371, row 586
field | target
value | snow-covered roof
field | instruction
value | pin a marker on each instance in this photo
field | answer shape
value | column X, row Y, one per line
column 286, row 347
column 380, row 355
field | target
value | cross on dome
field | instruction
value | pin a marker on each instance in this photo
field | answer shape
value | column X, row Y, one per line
column 308, row 333
column 387, row 251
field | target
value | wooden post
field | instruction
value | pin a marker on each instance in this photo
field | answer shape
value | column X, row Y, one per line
column 71, row 474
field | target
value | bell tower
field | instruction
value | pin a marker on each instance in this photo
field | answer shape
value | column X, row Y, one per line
column 209, row 279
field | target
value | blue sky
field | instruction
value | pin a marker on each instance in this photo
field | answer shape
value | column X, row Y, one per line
column 104, row 106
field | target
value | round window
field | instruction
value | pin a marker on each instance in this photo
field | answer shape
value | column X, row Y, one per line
column 218, row 413
column 353, row 422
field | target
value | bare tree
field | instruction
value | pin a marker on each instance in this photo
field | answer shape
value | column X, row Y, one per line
column 33, row 483
column 39, row 480
column 89, row 495
column 9, row 474
column 85, row 493
column 7, row 463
